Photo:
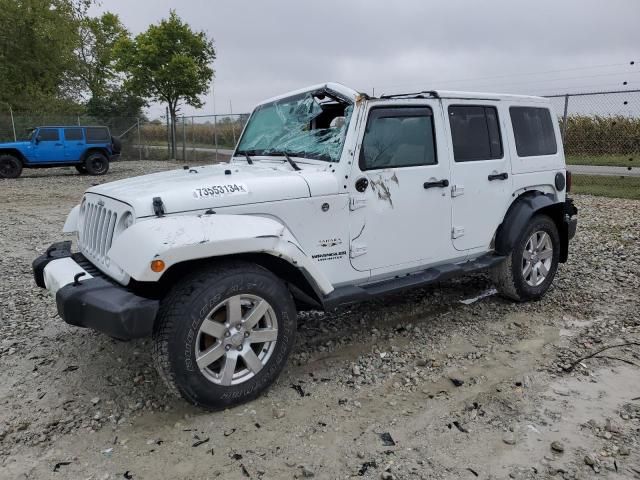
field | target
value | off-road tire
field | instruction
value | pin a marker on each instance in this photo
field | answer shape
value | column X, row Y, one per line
column 10, row 166
column 96, row 163
column 508, row 276
column 82, row 169
column 183, row 311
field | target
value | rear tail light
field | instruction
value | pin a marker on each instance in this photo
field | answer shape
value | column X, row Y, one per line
column 568, row 181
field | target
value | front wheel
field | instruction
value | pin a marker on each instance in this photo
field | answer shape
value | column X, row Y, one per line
column 224, row 334
column 10, row 166
column 532, row 264
column 96, row 163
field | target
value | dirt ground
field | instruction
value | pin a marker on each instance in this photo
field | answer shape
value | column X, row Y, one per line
column 414, row 386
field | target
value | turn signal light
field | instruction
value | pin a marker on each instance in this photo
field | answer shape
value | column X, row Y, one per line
column 157, row 266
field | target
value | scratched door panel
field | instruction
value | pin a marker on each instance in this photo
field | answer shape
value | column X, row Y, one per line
column 396, row 222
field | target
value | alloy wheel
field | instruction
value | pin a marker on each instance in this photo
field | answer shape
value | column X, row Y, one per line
column 236, row 339
column 537, row 258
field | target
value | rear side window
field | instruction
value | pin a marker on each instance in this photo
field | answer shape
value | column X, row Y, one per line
column 73, row 134
column 48, row 135
column 475, row 133
column 97, row 135
column 398, row 137
column 533, row 131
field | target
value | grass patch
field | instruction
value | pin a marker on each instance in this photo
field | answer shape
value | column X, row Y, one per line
column 607, row 186
column 605, row 160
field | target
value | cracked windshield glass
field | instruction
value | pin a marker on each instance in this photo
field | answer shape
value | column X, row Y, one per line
column 304, row 126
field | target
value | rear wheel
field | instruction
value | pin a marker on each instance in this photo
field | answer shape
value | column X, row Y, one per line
column 96, row 163
column 224, row 334
column 10, row 166
column 531, row 266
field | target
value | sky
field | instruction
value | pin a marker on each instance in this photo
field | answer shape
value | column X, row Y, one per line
column 268, row 47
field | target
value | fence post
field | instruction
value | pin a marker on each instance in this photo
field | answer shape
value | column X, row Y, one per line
column 564, row 117
column 233, row 126
column 215, row 134
column 184, row 139
column 13, row 124
column 139, row 139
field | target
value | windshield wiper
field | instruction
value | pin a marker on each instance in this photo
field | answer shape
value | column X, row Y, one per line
column 246, row 155
column 293, row 164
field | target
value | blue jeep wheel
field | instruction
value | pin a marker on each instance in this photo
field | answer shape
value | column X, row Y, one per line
column 96, row 163
column 10, row 166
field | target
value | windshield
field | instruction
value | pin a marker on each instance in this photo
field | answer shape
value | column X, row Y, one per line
column 305, row 126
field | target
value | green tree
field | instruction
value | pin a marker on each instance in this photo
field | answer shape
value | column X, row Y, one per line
column 37, row 54
column 97, row 72
column 96, row 62
column 168, row 63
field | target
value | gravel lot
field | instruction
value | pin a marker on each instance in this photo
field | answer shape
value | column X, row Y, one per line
column 414, row 386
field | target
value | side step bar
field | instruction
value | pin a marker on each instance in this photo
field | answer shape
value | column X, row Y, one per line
column 354, row 294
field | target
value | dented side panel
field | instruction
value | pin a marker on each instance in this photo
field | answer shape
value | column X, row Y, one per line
column 182, row 238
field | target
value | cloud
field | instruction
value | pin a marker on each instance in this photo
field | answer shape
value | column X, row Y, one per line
column 268, row 47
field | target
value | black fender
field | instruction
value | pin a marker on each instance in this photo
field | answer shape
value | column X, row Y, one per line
column 520, row 214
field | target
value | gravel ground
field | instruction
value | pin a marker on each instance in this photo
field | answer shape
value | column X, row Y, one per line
column 414, row 386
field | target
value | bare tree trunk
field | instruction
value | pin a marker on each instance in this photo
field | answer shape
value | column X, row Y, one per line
column 174, row 148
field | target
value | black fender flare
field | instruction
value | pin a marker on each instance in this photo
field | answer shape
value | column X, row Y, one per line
column 518, row 217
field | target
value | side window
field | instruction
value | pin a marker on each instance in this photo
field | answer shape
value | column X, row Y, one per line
column 73, row 134
column 398, row 137
column 48, row 135
column 533, row 131
column 97, row 135
column 475, row 133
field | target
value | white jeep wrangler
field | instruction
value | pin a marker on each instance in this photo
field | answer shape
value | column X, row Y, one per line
column 331, row 197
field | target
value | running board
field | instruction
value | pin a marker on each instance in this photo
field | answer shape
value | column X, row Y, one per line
column 354, row 294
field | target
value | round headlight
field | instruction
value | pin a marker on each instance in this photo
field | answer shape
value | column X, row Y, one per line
column 127, row 220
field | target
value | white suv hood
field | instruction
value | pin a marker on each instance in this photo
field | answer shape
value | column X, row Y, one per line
column 210, row 186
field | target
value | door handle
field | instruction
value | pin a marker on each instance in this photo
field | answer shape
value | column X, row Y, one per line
column 498, row 176
column 439, row 184
column 58, row 144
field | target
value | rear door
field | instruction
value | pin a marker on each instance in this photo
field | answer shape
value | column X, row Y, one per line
column 480, row 172
column 49, row 146
column 74, row 144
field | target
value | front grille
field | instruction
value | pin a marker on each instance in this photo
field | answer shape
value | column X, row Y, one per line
column 98, row 224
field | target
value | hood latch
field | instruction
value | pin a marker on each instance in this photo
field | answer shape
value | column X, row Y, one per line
column 158, row 206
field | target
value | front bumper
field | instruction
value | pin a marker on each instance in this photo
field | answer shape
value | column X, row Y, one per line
column 92, row 301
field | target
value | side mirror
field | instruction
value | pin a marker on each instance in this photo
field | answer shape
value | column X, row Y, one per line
column 37, row 140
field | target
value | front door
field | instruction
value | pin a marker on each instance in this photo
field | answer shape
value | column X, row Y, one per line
column 399, row 189
column 480, row 172
column 49, row 146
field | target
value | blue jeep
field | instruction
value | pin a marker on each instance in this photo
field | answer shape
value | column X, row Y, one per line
column 89, row 149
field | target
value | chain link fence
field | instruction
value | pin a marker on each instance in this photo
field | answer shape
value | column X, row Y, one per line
column 202, row 139
column 601, row 132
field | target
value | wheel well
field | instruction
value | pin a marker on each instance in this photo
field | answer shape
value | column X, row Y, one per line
column 16, row 153
column 89, row 151
column 534, row 206
column 300, row 287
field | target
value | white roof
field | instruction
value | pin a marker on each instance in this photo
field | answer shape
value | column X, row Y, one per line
column 352, row 94
column 488, row 96
column 336, row 87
